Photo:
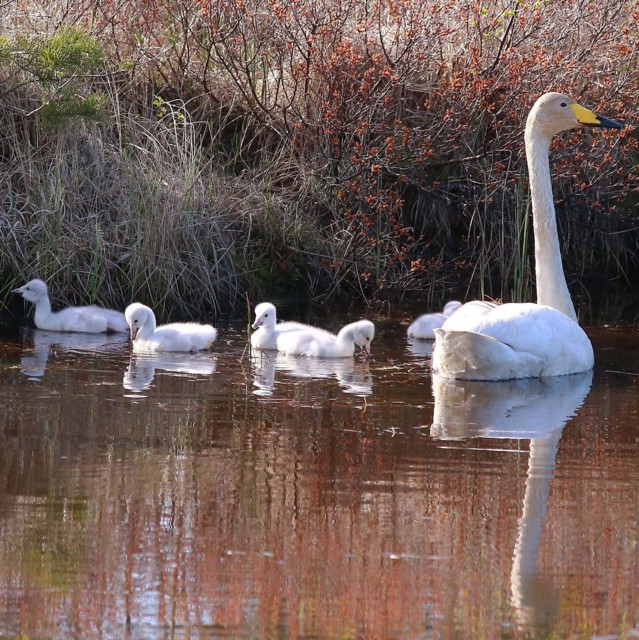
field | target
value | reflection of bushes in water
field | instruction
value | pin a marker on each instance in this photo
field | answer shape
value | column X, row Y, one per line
column 268, row 155
column 56, row 546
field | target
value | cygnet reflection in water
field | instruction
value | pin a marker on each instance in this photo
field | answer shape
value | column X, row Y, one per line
column 353, row 376
column 39, row 343
column 420, row 348
column 143, row 367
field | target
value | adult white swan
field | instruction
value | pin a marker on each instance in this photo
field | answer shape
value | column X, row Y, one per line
column 86, row 319
column 423, row 327
column 178, row 336
column 267, row 329
column 482, row 341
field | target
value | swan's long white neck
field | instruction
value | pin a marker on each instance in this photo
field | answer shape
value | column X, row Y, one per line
column 552, row 289
column 42, row 310
column 346, row 335
column 148, row 328
column 541, row 465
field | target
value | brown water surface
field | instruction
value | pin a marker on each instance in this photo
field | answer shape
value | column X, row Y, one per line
column 215, row 496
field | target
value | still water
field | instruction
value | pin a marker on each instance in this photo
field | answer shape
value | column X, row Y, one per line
column 219, row 496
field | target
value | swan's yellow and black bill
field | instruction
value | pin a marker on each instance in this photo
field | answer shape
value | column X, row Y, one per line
column 590, row 119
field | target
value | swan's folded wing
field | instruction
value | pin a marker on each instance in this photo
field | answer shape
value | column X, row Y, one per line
column 115, row 320
column 200, row 336
column 308, row 341
column 474, row 356
column 468, row 314
column 180, row 336
column 80, row 319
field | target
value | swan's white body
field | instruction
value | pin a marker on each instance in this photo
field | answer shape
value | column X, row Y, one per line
column 267, row 328
column 86, row 319
column 423, row 328
column 178, row 336
column 483, row 341
column 319, row 343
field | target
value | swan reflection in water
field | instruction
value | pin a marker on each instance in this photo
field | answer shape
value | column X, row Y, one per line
column 352, row 375
column 143, row 367
column 40, row 344
column 532, row 409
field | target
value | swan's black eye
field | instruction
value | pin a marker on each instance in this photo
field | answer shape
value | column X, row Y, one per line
column 563, row 104
column 27, row 288
column 266, row 315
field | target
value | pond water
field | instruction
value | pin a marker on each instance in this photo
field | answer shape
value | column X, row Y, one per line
column 219, row 496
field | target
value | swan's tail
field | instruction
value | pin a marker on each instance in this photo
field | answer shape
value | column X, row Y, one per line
column 466, row 355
